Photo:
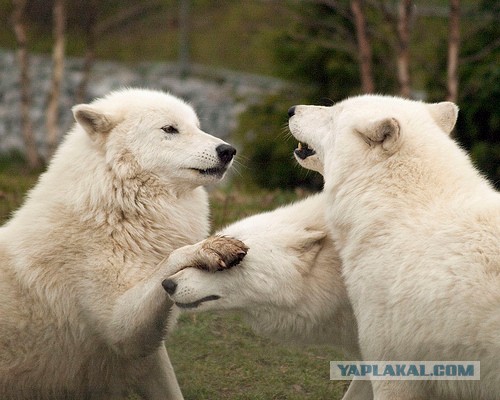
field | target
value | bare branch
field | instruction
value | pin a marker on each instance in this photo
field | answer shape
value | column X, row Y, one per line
column 59, row 13
column 326, row 44
column 364, row 48
column 334, row 5
column 484, row 52
column 344, row 34
column 126, row 16
column 389, row 18
column 403, row 56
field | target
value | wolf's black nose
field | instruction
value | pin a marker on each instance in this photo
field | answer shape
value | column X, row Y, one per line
column 169, row 285
column 225, row 152
column 291, row 112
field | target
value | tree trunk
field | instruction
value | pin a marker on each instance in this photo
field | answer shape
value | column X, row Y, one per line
column 364, row 48
column 59, row 14
column 453, row 49
column 404, row 14
column 90, row 32
column 31, row 151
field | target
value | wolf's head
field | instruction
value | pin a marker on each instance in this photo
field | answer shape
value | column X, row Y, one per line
column 362, row 131
column 141, row 130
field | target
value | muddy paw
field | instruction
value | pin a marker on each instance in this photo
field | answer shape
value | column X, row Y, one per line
column 220, row 252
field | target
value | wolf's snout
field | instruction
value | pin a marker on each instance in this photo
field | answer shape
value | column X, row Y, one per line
column 169, row 285
column 225, row 152
column 291, row 111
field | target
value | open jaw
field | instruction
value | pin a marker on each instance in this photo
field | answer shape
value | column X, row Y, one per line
column 196, row 303
column 303, row 151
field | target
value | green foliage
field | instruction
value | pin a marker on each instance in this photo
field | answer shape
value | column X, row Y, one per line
column 268, row 155
column 479, row 128
column 307, row 52
column 12, row 160
column 319, row 48
column 15, row 180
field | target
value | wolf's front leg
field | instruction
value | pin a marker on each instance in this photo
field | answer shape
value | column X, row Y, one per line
column 159, row 381
column 139, row 317
column 359, row 390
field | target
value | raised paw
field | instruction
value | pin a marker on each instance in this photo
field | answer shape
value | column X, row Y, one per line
column 220, row 252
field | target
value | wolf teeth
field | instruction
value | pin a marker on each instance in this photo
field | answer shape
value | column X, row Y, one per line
column 303, row 151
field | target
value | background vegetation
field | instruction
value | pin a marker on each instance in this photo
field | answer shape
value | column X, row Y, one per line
column 308, row 42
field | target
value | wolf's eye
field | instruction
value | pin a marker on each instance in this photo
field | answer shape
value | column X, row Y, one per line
column 169, row 129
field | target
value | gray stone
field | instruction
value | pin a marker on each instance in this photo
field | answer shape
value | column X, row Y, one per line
column 218, row 95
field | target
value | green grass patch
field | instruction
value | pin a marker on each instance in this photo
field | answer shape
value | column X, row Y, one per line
column 216, row 356
column 15, row 181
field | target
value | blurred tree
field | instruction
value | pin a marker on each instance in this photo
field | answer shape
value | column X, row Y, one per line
column 403, row 52
column 397, row 31
column 18, row 20
column 364, row 47
column 453, row 50
column 59, row 27
column 478, row 125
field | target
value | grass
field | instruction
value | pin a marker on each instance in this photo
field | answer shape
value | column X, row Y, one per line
column 15, row 180
column 216, row 355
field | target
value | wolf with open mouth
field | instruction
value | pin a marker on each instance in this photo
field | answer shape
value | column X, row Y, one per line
column 418, row 231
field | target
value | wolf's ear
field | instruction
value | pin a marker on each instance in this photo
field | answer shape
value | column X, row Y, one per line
column 444, row 114
column 384, row 132
column 94, row 121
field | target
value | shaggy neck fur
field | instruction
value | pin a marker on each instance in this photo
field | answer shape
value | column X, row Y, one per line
column 114, row 199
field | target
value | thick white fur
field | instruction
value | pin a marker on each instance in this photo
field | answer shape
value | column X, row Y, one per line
column 82, row 310
column 289, row 285
column 418, row 231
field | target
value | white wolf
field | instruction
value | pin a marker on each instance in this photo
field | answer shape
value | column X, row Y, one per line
column 82, row 310
column 289, row 285
column 418, row 231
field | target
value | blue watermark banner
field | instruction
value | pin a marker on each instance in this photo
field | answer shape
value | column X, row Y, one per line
column 405, row 370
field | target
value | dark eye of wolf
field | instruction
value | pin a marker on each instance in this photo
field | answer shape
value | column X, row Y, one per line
column 169, row 129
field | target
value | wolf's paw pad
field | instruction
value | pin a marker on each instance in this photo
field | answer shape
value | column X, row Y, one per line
column 221, row 252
